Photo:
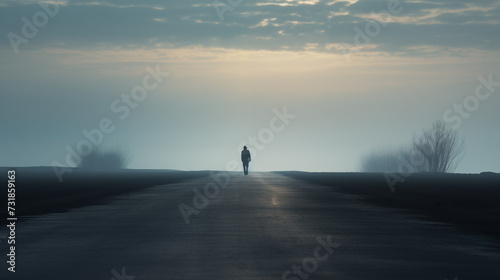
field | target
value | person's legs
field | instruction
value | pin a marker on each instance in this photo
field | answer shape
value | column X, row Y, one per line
column 245, row 168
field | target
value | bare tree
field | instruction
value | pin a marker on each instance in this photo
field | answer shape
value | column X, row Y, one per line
column 440, row 147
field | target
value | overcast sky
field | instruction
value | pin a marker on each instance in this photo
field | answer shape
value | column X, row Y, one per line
column 357, row 76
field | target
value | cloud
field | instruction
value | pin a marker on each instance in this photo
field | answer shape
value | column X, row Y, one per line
column 255, row 25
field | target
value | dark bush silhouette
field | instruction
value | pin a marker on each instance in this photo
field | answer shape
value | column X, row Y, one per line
column 105, row 159
column 381, row 161
column 389, row 160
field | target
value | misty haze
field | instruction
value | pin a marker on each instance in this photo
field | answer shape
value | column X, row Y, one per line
column 237, row 139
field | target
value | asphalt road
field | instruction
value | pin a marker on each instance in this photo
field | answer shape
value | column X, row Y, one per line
column 261, row 226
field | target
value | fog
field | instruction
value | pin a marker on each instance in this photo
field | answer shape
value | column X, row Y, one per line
column 233, row 83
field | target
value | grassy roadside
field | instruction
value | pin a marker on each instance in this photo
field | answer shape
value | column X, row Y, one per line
column 468, row 201
column 38, row 191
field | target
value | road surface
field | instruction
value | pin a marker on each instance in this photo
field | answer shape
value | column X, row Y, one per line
column 261, row 226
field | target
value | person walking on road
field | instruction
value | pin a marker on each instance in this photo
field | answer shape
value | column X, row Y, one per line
column 245, row 158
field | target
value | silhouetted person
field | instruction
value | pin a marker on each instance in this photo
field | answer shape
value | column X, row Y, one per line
column 245, row 158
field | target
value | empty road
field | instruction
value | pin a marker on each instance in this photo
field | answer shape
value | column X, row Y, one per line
column 261, row 226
